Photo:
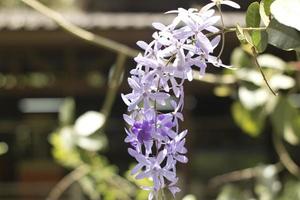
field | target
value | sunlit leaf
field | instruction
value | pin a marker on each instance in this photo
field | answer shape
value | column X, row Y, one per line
column 222, row 91
column 95, row 143
column 252, row 15
column 267, row 184
column 252, row 99
column 252, row 122
column 89, row 123
column 264, row 11
column 189, row 197
column 287, row 12
column 280, row 81
column 282, row 36
column 230, row 192
column 3, row 148
column 271, row 61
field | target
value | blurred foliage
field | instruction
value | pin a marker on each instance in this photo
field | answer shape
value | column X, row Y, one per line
column 79, row 142
column 254, row 104
column 58, row 4
column 3, row 148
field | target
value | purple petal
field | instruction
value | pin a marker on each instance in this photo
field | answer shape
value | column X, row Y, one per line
column 142, row 45
column 142, row 175
column 158, row 26
column 161, row 156
column 136, row 169
column 181, row 158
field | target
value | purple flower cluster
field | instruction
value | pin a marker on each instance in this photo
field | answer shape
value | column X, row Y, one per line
column 154, row 136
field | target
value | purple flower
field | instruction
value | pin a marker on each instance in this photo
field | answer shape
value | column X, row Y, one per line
column 157, row 144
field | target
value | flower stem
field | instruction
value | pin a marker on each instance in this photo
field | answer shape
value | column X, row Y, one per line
column 223, row 32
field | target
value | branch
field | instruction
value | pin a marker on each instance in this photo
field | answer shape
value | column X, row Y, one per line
column 239, row 175
column 261, row 71
column 285, row 157
column 67, row 181
column 113, row 85
column 79, row 32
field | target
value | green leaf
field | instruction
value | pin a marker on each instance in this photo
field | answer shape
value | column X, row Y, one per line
column 252, row 15
column 240, row 34
column 243, row 36
column 239, row 58
column 230, row 192
column 3, row 148
column 283, row 37
column 286, row 121
column 287, row 12
column 260, row 40
column 262, row 11
column 252, row 122
column 267, row 4
column 67, row 112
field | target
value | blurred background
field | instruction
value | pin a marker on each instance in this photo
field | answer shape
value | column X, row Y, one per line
column 43, row 68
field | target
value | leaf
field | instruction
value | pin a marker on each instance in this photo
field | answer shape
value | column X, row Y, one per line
column 244, row 37
column 260, row 40
column 95, row 143
column 252, row 15
column 252, row 122
column 281, row 81
column 230, row 192
column 271, row 61
column 283, row 37
column 89, row 123
column 240, row 34
column 263, row 15
column 3, row 148
column 267, row 4
column 287, row 12
column 239, row 58
column 286, row 121
column 252, row 99
column 67, row 112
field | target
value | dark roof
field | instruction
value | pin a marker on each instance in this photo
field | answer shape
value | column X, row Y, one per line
column 23, row 19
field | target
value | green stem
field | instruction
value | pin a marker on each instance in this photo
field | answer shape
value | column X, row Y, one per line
column 67, row 181
column 261, row 71
column 223, row 33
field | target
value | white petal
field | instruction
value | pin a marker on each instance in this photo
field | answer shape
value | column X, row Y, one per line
column 231, row 4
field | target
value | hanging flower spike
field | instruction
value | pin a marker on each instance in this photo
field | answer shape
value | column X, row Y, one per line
column 157, row 143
